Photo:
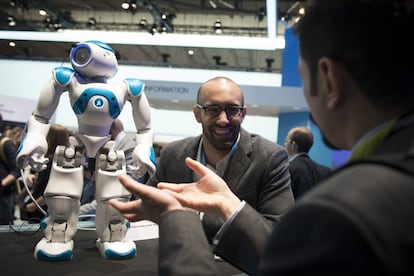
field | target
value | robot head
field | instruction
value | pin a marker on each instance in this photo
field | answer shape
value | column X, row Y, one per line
column 94, row 59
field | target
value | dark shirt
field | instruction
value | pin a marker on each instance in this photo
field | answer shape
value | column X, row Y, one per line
column 8, row 166
column 305, row 174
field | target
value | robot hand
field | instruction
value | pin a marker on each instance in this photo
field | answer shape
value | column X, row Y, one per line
column 32, row 152
column 144, row 160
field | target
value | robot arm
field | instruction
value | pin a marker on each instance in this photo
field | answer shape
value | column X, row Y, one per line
column 143, row 155
column 34, row 146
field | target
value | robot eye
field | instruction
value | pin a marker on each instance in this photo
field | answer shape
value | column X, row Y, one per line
column 82, row 55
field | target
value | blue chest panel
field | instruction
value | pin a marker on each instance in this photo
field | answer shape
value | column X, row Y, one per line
column 81, row 103
column 135, row 86
column 63, row 75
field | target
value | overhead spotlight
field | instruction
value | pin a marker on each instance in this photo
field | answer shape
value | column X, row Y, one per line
column 285, row 17
column 130, row 5
column 91, row 23
column 12, row 44
column 48, row 22
column 13, row 3
column 166, row 25
column 52, row 24
column 57, row 26
column 293, row 13
column 218, row 27
column 190, row 52
column 153, row 29
column 163, row 30
column 125, row 5
column 133, row 5
column 11, row 21
column 143, row 23
column 42, row 12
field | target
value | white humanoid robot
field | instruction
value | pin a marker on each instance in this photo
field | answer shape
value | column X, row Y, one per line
column 96, row 104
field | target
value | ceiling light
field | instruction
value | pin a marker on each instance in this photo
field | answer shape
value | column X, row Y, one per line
column 218, row 27
column 130, row 5
column 91, row 23
column 153, row 29
column 125, row 5
column 11, row 22
column 12, row 44
column 190, row 52
column 42, row 12
column 143, row 23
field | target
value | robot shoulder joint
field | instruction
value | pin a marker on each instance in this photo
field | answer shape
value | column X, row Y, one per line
column 63, row 75
column 135, row 86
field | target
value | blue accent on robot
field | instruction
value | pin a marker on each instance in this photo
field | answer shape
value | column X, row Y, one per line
column 43, row 256
column 81, row 104
column 135, row 86
column 102, row 45
column 110, row 254
column 63, row 75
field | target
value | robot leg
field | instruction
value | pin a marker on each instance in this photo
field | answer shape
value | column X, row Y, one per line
column 111, row 227
column 62, row 196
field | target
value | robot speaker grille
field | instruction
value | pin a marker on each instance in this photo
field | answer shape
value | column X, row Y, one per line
column 82, row 55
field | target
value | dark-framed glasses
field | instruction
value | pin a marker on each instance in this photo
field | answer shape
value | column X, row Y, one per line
column 215, row 110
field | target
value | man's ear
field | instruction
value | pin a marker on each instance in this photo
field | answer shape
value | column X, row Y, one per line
column 197, row 113
column 330, row 76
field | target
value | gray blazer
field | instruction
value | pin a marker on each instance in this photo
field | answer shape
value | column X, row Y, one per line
column 258, row 172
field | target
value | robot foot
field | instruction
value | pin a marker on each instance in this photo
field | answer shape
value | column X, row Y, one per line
column 117, row 250
column 53, row 251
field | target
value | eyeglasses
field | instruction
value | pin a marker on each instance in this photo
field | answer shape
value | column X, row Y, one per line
column 215, row 110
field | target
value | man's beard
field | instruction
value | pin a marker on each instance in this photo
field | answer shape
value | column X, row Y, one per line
column 324, row 139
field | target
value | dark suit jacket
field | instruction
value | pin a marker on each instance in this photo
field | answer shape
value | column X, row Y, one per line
column 8, row 166
column 305, row 173
column 257, row 172
column 358, row 221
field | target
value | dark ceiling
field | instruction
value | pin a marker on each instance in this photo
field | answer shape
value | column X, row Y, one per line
column 244, row 17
